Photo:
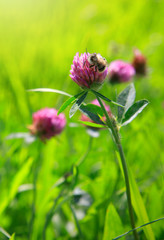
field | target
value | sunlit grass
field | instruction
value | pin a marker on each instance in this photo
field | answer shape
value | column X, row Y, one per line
column 38, row 40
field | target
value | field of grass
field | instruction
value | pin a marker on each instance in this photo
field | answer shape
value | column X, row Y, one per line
column 38, row 40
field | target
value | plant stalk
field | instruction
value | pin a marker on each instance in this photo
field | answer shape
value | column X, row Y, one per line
column 77, row 222
column 36, row 170
column 82, row 159
column 111, row 123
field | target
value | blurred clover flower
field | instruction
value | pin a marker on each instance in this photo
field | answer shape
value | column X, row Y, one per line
column 85, row 74
column 139, row 63
column 119, row 71
column 46, row 123
column 87, row 119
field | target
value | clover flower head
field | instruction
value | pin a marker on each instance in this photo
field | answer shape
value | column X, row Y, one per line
column 120, row 71
column 85, row 74
column 95, row 102
column 139, row 63
column 46, row 123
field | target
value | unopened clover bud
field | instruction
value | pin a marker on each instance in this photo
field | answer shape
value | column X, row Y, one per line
column 139, row 62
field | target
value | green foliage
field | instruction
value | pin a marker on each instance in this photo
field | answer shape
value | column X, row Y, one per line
column 126, row 98
column 68, row 102
column 77, row 105
column 90, row 124
column 138, row 203
column 139, row 206
column 130, row 231
column 105, row 98
column 94, row 109
column 90, row 113
column 49, row 90
column 4, row 232
column 133, row 111
column 13, row 236
column 113, row 224
column 16, row 182
column 130, row 110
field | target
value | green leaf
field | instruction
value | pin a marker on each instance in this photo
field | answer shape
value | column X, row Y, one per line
column 139, row 206
column 68, row 102
column 13, row 236
column 16, row 182
column 49, row 90
column 133, row 111
column 101, row 96
column 138, row 203
column 113, row 224
column 125, row 98
column 95, row 109
column 90, row 124
column 94, row 117
column 105, row 98
column 77, row 104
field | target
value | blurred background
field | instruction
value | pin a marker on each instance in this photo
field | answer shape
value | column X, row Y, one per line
column 38, row 40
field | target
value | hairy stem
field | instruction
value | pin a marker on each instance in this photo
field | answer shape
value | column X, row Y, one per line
column 113, row 127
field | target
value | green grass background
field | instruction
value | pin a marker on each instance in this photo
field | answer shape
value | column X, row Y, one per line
column 38, row 40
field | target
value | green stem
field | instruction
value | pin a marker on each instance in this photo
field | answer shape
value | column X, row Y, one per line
column 62, row 180
column 76, row 221
column 143, row 225
column 36, row 170
column 53, row 210
column 113, row 127
column 81, row 160
column 59, row 183
column 33, row 207
column 50, row 214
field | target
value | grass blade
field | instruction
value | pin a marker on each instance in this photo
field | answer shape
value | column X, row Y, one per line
column 113, row 224
column 49, row 90
column 159, row 219
column 138, row 203
column 18, row 179
column 13, row 236
column 3, row 231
